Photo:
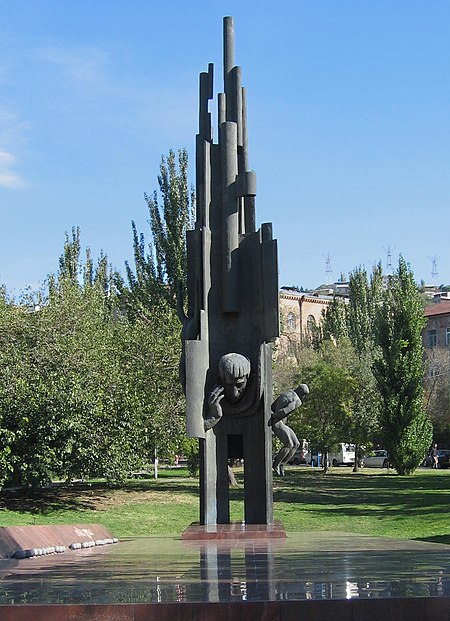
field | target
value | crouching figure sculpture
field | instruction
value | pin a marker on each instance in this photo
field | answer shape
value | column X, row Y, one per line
column 284, row 405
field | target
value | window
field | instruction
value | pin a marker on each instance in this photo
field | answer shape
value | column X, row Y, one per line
column 311, row 323
column 447, row 336
column 291, row 321
column 432, row 340
column 433, row 369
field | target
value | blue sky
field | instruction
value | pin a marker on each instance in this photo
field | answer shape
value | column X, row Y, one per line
column 349, row 121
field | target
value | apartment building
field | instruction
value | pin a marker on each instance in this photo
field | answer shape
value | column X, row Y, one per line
column 437, row 331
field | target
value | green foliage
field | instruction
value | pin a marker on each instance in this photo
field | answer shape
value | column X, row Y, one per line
column 84, row 391
column 69, row 262
column 355, row 320
column 366, row 403
column 152, row 350
column 351, row 326
column 378, row 342
column 405, row 426
column 359, row 312
column 191, row 451
column 334, row 325
column 362, row 402
column 325, row 415
column 285, row 371
column 85, row 388
column 160, row 269
column 362, row 421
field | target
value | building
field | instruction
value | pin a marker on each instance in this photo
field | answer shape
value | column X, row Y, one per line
column 437, row 331
column 300, row 314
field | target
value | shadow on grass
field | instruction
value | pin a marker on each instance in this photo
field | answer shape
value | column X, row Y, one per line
column 365, row 494
column 425, row 494
column 361, row 495
column 189, row 486
column 44, row 501
column 85, row 496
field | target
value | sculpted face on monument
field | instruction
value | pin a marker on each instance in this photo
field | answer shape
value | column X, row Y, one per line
column 234, row 370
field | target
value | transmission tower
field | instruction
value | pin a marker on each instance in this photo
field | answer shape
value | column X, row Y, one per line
column 328, row 270
column 434, row 270
column 389, row 268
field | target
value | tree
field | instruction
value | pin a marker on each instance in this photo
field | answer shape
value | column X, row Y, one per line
column 363, row 298
column 405, row 427
column 84, row 390
column 285, row 372
column 362, row 422
column 335, row 320
column 157, row 285
column 351, row 326
column 81, row 274
column 354, row 319
column 151, row 349
column 326, row 411
column 160, row 269
column 324, row 417
column 62, row 395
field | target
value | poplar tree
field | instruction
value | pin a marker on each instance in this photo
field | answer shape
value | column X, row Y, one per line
column 335, row 320
column 156, row 287
column 360, row 316
column 405, row 426
column 160, row 266
column 351, row 326
column 355, row 320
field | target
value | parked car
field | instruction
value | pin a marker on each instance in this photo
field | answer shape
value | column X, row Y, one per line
column 376, row 459
column 443, row 458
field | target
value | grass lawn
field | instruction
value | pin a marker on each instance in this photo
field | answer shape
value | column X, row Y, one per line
column 373, row 502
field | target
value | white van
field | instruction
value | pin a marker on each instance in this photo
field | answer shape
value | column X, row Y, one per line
column 343, row 456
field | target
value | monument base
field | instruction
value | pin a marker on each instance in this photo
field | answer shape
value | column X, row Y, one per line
column 39, row 540
column 234, row 530
column 320, row 576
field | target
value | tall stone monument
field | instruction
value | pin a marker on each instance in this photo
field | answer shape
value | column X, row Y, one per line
column 232, row 309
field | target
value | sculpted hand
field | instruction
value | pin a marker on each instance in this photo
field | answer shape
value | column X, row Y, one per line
column 214, row 407
column 216, row 396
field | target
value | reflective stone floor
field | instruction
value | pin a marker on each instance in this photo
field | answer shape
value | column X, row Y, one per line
column 305, row 566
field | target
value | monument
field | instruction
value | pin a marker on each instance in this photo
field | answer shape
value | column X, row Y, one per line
column 232, row 317
column 282, row 407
